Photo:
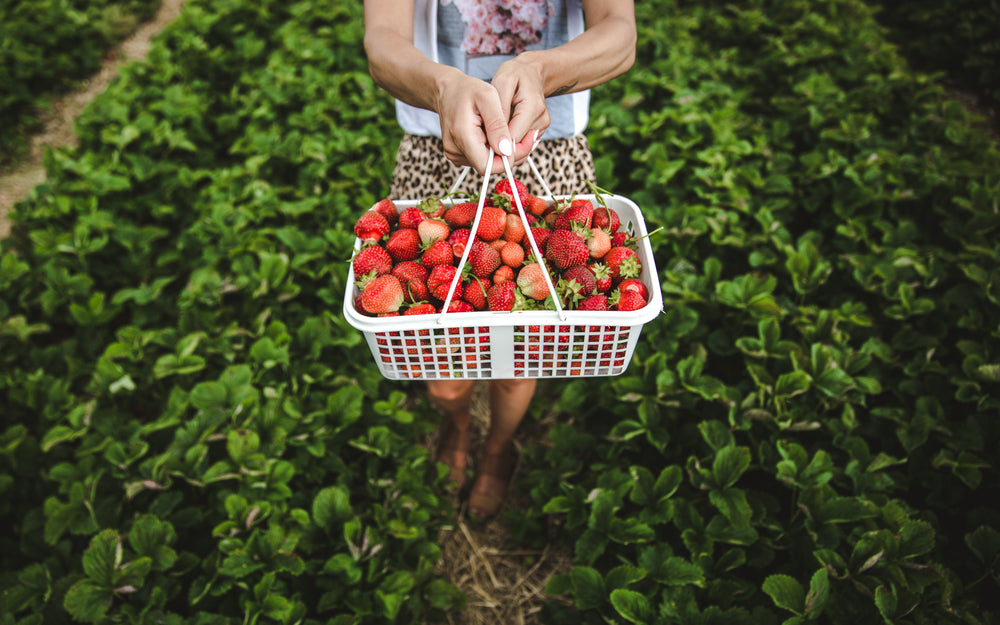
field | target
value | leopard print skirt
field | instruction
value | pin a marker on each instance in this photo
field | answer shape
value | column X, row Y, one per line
column 422, row 170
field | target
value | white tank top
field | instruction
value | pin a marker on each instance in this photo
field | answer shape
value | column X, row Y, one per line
column 476, row 36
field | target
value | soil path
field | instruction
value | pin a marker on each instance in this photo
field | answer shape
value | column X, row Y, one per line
column 58, row 130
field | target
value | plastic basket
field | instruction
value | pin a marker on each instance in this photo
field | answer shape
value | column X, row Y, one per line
column 517, row 344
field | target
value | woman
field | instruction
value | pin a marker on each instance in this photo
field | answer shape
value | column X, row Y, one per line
column 471, row 75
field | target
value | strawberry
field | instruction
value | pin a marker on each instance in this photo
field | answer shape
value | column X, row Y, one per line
column 583, row 276
column 411, row 217
column 620, row 238
column 597, row 301
column 578, row 211
column 456, row 306
column 432, row 229
column 492, row 223
column 531, row 281
column 626, row 300
column 599, row 242
column 371, row 227
column 371, row 258
column 565, row 248
column 504, row 273
column 439, row 281
column 475, row 292
column 437, row 253
column 501, row 296
column 498, row 244
column 403, row 244
column 458, row 239
column 541, row 235
column 413, row 276
column 512, row 254
column 432, row 207
column 460, row 215
column 502, row 188
column 514, row 230
column 606, row 219
column 423, row 308
column 384, row 294
column 623, row 262
column 387, row 208
column 536, row 205
column 634, row 285
column 483, row 259
column 603, row 276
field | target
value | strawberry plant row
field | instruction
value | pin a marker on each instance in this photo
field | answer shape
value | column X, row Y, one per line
column 193, row 433
column 47, row 46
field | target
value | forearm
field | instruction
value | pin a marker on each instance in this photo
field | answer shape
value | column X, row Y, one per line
column 604, row 51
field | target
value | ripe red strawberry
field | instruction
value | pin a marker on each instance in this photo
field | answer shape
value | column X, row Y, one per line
column 514, row 230
column 598, row 301
column 432, row 207
column 371, row 227
column 432, row 230
column 603, row 276
column 502, row 188
column 565, row 248
column 627, row 301
column 372, row 258
column 623, row 262
column 483, row 259
column 411, row 217
column 458, row 306
column 387, row 208
column 439, row 281
column 460, row 215
column 634, row 285
column 492, row 223
column 437, row 253
column 413, row 276
column 578, row 211
column 384, row 294
column 531, row 281
column 501, row 296
column 599, row 242
column 536, row 205
column 541, row 235
column 422, row 308
column 620, row 238
column 512, row 254
column 583, row 276
column 458, row 239
column 403, row 244
column 606, row 219
column 475, row 292
column 504, row 273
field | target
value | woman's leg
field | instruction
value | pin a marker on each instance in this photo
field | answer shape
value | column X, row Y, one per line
column 454, row 399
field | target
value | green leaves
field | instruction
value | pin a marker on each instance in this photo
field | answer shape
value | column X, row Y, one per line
column 788, row 594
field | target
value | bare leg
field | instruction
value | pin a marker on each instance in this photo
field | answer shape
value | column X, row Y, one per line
column 454, row 399
column 509, row 401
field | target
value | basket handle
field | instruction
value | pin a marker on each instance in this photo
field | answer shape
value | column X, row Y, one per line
column 475, row 226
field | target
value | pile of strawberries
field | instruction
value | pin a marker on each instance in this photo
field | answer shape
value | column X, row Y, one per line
column 408, row 258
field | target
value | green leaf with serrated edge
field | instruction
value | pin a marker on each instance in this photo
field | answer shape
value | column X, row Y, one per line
column 916, row 538
column 729, row 464
column 845, row 510
column 819, row 593
column 631, row 605
column 676, row 571
column 588, row 587
column 984, row 542
column 786, row 592
column 623, row 575
column 733, row 504
column 102, row 557
column 331, row 506
column 87, row 601
column 887, row 603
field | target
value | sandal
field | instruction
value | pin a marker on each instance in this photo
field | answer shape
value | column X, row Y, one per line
column 453, row 450
column 492, row 482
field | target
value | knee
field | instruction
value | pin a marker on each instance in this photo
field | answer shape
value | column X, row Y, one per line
column 449, row 390
column 513, row 386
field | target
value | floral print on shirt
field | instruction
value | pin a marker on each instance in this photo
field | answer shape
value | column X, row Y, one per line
column 501, row 26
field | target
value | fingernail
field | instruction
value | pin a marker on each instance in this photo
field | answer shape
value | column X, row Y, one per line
column 505, row 147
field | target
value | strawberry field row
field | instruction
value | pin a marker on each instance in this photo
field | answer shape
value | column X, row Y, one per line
column 48, row 45
column 193, row 433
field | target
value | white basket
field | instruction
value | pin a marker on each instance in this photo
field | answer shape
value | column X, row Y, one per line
column 517, row 344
